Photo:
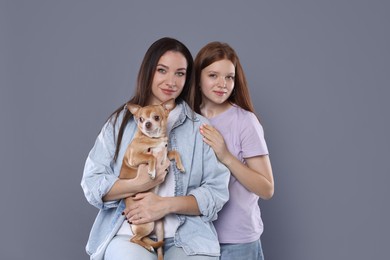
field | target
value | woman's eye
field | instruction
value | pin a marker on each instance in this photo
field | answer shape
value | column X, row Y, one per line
column 213, row 76
column 161, row 70
column 157, row 118
column 180, row 74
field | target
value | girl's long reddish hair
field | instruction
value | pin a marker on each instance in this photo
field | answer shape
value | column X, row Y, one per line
column 216, row 51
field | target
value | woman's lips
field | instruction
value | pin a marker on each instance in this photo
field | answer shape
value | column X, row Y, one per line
column 168, row 91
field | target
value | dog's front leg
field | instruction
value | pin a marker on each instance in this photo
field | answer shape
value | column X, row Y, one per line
column 148, row 159
column 174, row 155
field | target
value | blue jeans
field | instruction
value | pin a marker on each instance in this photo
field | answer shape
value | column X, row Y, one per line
column 121, row 248
column 247, row 251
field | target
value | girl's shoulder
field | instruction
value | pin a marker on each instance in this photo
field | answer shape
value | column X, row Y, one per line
column 242, row 113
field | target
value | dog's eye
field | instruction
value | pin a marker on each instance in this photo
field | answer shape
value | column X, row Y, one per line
column 141, row 119
column 157, row 118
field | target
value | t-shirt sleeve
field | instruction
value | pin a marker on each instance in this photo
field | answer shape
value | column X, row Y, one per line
column 252, row 137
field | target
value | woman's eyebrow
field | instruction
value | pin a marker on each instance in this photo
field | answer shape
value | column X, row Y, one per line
column 162, row 65
column 165, row 66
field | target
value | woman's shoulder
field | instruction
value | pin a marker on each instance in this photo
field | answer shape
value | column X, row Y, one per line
column 114, row 122
column 115, row 119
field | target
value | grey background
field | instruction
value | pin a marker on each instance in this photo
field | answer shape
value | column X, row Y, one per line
column 318, row 74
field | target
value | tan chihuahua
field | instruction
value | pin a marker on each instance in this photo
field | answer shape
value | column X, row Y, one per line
column 149, row 139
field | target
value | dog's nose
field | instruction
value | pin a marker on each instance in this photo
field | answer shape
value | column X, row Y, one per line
column 148, row 125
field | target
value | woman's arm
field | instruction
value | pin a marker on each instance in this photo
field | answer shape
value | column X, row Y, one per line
column 149, row 207
column 124, row 188
column 256, row 175
column 204, row 200
column 100, row 183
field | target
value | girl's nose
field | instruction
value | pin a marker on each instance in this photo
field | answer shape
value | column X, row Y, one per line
column 222, row 82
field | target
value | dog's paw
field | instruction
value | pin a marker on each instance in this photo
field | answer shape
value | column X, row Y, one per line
column 152, row 174
column 180, row 166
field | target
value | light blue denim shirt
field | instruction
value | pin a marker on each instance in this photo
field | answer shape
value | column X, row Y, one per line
column 205, row 178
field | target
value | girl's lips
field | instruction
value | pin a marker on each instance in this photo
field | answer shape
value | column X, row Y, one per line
column 219, row 93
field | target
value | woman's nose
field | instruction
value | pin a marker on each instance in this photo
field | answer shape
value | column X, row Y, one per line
column 172, row 80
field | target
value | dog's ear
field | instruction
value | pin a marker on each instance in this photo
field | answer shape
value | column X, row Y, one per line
column 133, row 108
column 169, row 104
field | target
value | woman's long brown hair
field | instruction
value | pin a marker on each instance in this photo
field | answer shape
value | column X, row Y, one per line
column 145, row 79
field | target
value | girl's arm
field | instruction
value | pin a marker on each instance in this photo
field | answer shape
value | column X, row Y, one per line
column 256, row 175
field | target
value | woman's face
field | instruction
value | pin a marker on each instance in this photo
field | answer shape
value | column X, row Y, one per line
column 169, row 77
column 217, row 81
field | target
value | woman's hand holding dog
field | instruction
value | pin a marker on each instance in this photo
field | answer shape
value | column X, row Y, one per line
column 147, row 207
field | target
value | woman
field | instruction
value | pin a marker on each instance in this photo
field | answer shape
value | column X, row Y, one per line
column 190, row 201
column 237, row 138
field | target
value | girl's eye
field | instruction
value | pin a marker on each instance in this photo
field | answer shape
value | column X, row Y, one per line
column 157, row 118
column 141, row 119
column 230, row 77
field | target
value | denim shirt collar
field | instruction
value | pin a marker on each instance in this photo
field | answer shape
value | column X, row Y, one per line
column 187, row 113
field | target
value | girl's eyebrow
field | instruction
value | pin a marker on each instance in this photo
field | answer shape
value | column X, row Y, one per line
column 216, row 72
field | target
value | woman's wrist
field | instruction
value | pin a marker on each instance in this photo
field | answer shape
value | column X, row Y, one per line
column 167, row 205
column 186, row 205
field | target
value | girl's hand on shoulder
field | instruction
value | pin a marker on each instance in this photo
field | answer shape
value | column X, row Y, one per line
column 213, row 137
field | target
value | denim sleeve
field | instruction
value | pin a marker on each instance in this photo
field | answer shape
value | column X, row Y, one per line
column 213, row 192
column 98, row 176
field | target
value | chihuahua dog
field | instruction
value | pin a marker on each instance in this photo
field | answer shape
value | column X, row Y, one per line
column 149, row 139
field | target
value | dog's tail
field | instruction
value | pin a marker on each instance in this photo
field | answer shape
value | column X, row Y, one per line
column 152, row 243
column 160, row 253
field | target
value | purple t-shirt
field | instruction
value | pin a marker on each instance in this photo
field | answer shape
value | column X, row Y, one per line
column 239, row 221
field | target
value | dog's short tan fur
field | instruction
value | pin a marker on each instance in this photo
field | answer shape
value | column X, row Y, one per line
column 149, row 139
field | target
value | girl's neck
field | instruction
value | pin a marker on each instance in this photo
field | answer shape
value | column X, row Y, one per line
column 210, row 109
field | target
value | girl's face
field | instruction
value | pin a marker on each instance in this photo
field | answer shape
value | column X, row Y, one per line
column 169, row 77
column 217, row 81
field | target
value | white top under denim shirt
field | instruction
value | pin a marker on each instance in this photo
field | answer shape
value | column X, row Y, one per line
column 205, row 178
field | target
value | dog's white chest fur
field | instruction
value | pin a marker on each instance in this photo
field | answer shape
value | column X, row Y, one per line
column 159, row 148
